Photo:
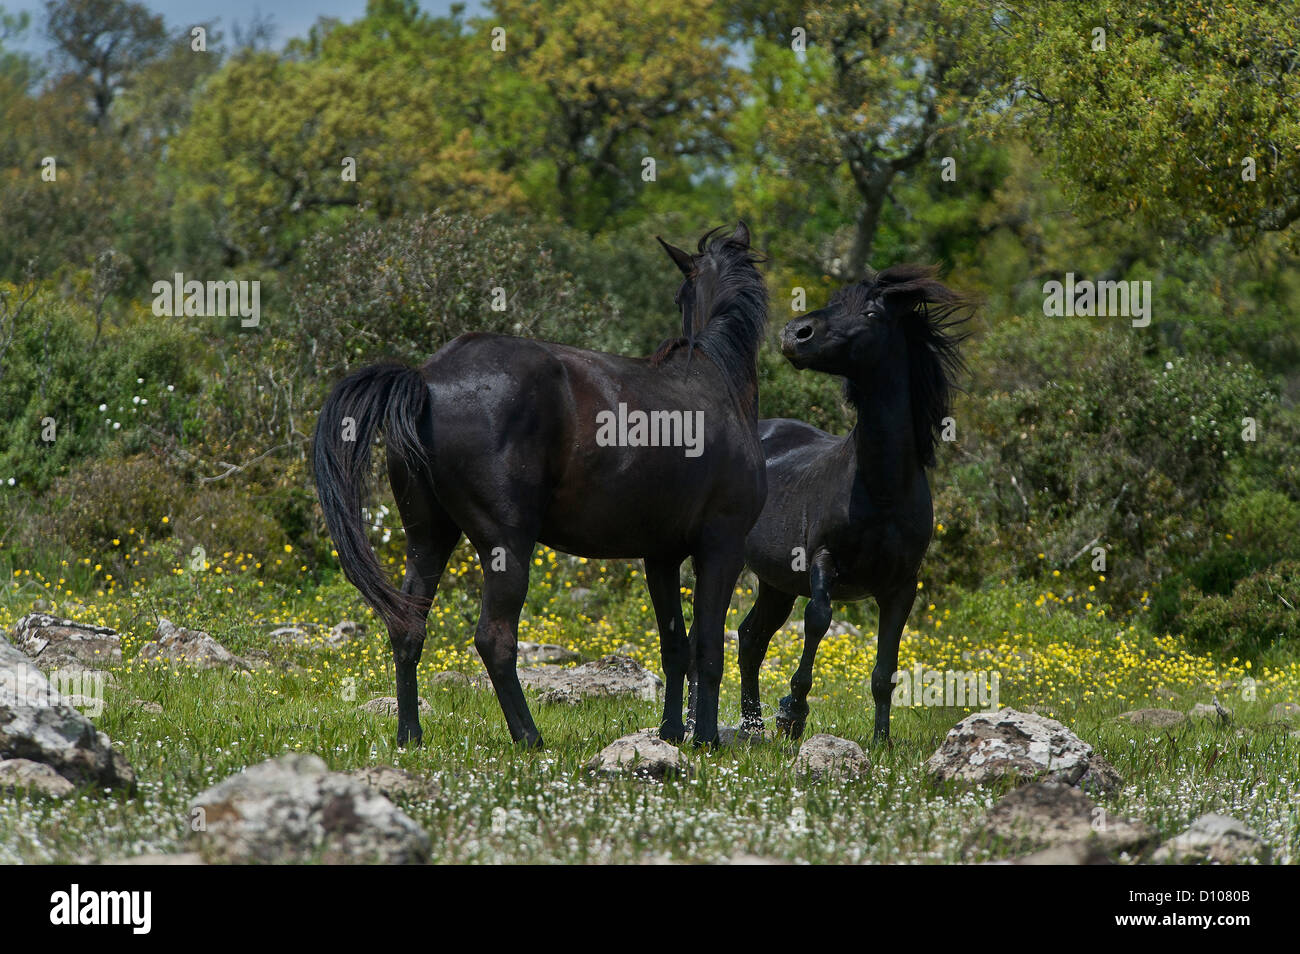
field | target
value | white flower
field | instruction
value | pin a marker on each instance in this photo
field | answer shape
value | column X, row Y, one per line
column 103, row 407
column 171, row 387
column 11, row 481
column 1169, row 365
column 117, row 425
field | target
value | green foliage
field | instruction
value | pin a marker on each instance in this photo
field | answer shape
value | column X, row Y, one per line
column 1262, row 610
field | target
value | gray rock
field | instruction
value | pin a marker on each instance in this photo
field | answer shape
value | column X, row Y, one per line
column 607, row 676
column 1213, row 839
column 393, row 782
column 145, row 705
column 1050, row 815
column 190, row 647
column 294, row 809
column 54, row 643
column 729, row 735
column 1284, row 712
column 992, row 745
column 344, row 632
column 450, row 678
column 828, row 756
column 1101, row 778
column 841, row 627
column 26, row 775
column 641, row 755
column 544, row 654
column 387, row 705
column 1089, row 852
column 1212, row 712
column 292, row 635
column 36, row 723
column 1154, row 718
column 182, row 858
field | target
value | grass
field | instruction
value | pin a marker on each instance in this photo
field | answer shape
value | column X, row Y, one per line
column 1064, row 654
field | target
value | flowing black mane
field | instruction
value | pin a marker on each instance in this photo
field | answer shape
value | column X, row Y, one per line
column 933, row 314
column 733, row 329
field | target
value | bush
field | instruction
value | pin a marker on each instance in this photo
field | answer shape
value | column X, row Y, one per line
column 1262, row 610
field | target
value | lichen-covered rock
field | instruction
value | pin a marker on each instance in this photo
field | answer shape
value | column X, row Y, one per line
column 190, row 647
column 535, row 654
column 642, row 755
column 991, row 745
column 387, row 705
column 828, row 756
column 1047, row 815
column 608, row 676
column 29, row 776
column 1154, row 718
column 293, row 809
column 38, row 724
column 54, row 643
column 393, row 782
column 1101, row 778
column 1213, row 839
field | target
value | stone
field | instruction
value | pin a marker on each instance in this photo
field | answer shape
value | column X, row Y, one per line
column 190, row 647
column 26, row 775
column 54, row 643
column 841, row 627
column 535, row 654
column 1051, row 815
column 345, row 631
column 145, row 705
column 1213, row 839
column 450, row 678
column 607, row 676
column 1212, row 712
column 827, row 756
column 181, row 858
column 729, row 735
column 387, row 705
column 1100, row 778
column 393, row 782
column 1285, row 712
column 37, row 723
column 293, row 809
column 641, row 755
column 991, row 745
column 1154, row 718
column 292, row 635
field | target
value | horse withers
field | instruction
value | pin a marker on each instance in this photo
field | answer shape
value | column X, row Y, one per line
column 851, row 517
column 506, row 440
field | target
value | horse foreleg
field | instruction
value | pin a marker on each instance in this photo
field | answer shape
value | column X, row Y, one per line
column 816, row 619
column 770, row 610
column 894, row 610
column 663, row 578
column 716, row 572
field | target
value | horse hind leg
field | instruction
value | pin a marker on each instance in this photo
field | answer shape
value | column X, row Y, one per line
column 793, row 714
column 770, row 610
column 431, row 536
column 505, row 587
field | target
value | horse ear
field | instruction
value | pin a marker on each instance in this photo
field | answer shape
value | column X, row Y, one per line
column 680, row 257
column 741, row 235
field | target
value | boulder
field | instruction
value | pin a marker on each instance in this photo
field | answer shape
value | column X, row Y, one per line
column 1053, row 815
column 1154, row 718
column 190, row 647
column 451, row 677
column 607, row 676
column 993, row 745
column 54, row 643
column 1212, row 712
column 387, row 705
column 828, row 756
column 535, row 654
column 292, row 635
column 183, row 858
column 344, row 632
column 293, row 809
column 37, row 724
column 1284, row 712
column 146, row 705
column 26, row 775
column 393, row 782
column 1101, row 778
column 1213, row 839
column 641, row 755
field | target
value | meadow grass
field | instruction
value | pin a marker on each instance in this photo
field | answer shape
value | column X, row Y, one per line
column 1063, row 654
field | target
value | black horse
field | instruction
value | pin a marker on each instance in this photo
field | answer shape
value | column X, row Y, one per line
column 511, row 441
column 847, row 518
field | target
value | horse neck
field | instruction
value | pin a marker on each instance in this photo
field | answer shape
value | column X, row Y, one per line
column 884, row 444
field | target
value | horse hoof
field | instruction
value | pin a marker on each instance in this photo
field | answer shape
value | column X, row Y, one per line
column 674, row 734
column 408, row 737
column 789, row 720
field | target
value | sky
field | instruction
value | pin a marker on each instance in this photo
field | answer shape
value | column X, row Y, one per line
column 291, row 17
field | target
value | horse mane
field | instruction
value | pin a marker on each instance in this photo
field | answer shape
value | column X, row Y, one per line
column 733, row 329
column 932, row 324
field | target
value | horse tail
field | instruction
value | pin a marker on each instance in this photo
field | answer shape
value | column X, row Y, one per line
column 392, row 398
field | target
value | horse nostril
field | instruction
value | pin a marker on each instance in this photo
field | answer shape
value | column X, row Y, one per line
column 804, row 333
